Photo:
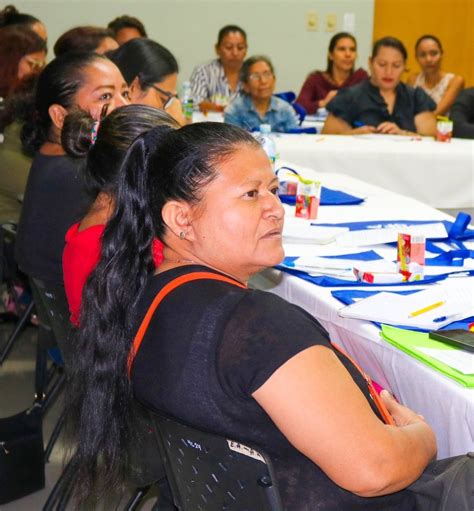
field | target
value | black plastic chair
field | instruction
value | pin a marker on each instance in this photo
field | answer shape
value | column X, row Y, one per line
column 290, row 97
column 208, row 472
column 8, row 275
column 146, row 471
column 53, row 334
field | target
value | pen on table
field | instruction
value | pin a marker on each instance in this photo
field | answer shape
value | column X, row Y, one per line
column 426, row 309
column 457, row 315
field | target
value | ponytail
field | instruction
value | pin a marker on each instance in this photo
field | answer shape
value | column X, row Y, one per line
column 76, row 133
column 99, row 405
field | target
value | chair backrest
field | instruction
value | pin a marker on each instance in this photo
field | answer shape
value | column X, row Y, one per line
column 208, row 472
column 290, row 97
column 50, row 299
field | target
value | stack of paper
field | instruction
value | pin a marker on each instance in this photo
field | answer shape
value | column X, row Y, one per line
column 429, row 309
column 365, row 237
column 301, row 231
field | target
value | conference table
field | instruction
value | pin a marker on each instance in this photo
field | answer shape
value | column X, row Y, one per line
column 447, row 405
column 438, row 174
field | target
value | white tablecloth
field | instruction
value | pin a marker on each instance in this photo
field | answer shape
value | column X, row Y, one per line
column 446, row 405
column 438, row 174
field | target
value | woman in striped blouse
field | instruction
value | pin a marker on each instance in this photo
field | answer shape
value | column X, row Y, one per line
column 216, row 83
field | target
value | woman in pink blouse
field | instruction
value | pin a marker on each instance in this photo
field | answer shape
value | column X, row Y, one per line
column 321, row 86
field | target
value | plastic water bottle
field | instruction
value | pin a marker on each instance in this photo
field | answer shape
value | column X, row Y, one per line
column 268, row 143
column 187, row 101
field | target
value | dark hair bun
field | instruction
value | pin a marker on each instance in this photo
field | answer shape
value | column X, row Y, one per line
column 76, row 134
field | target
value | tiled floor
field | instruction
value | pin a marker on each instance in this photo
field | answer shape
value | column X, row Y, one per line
column 16, row 394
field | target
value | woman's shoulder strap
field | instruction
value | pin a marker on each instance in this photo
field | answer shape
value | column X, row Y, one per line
column 161, row 295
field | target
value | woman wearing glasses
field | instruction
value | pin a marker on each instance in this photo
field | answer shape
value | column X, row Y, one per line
column 258, row 105
column 151, row 72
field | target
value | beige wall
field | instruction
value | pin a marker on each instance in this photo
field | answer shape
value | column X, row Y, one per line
column 452, row 21
column 189, row 27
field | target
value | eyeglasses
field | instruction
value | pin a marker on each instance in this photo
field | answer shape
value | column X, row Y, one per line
column 35, row 64
column 258, row 76
column 168, row 95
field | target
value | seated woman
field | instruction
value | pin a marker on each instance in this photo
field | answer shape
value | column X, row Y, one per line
column 10, row 16
column 382, row 104
column 442, row 87
column 462, row 114
column 321, row 86
column 97, row 39
column 104, row 145
column 126, row 27
column 55, row 195
column 218, row 355
column 216, row 83
column 22, row 54
column 151, row 72
column 258, row 105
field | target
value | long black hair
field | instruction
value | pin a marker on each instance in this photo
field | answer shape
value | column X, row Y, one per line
column 161, row 165
column 104, row 144
column 144, row 59
column 332, row 45
column 58, row 83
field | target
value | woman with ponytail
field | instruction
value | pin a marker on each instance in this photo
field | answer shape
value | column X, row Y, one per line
column 218, row 355
column 103, row 145
column 55, row 195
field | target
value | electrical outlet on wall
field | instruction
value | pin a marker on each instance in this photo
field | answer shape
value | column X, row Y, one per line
column 312, row 21
column 331, row 22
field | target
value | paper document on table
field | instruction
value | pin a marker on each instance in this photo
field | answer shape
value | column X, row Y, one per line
column 390, row 234
column 300, row 231
column 429, row 309
column 306, row 263
column 460, row 360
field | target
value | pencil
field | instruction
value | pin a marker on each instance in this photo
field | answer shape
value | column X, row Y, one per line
column 426, row 309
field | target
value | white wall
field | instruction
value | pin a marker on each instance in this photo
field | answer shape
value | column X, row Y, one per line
column 189, row 27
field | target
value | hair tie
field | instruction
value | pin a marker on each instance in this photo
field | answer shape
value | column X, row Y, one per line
column 94, row 131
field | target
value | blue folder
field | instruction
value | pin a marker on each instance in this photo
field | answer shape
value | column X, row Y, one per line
column 329, row 197
column 327, row 281
column 457, row 230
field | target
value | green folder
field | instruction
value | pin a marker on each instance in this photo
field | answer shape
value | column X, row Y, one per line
column 409, row 340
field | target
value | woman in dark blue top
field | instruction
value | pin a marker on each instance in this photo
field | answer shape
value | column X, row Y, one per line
column 382, row 104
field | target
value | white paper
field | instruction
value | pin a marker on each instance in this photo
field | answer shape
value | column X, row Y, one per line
column 301, row 231
column 393, row 309
column 348, row 22
column 323, row 264
column 389, row 234
column 461, row 360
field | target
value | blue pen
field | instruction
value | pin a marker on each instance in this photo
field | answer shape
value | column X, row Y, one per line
column 358, row 124
column 440, row 319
